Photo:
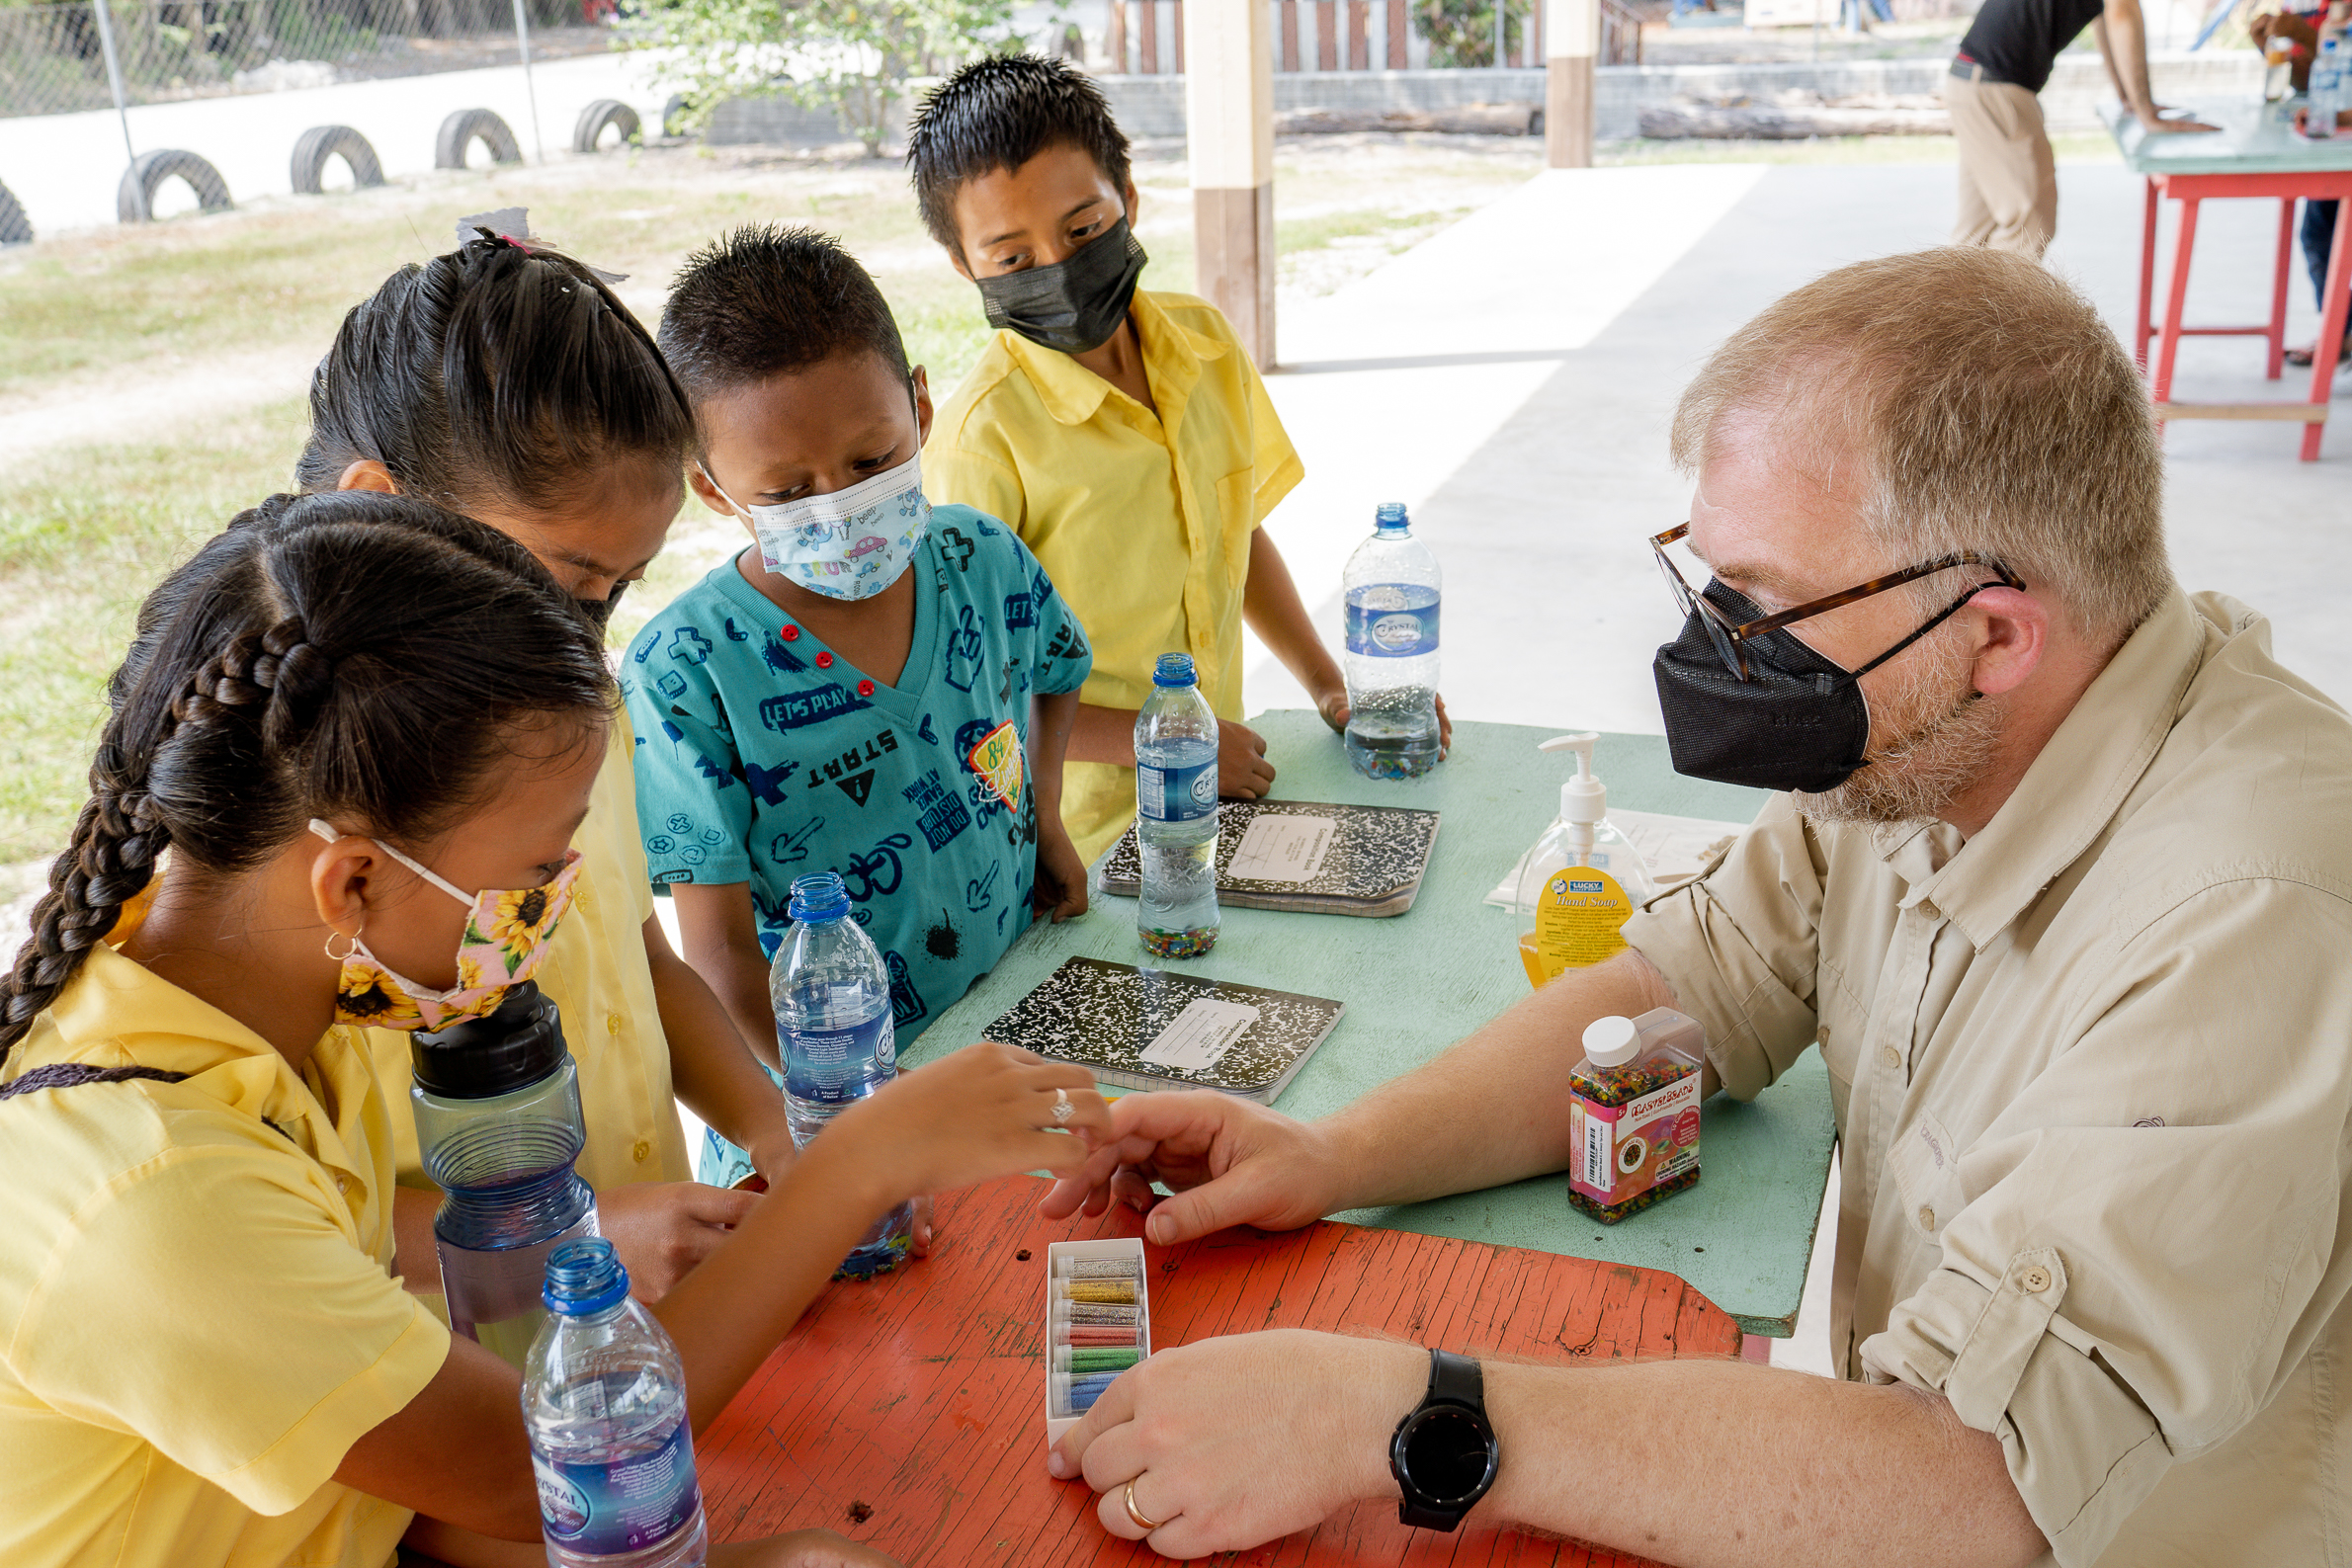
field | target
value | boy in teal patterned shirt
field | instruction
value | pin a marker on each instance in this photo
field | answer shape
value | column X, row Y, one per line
column 873, row 686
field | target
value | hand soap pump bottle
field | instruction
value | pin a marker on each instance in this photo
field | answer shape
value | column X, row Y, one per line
column 1582, row 879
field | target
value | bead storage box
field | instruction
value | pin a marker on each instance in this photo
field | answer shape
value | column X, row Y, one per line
column 1098, row 1323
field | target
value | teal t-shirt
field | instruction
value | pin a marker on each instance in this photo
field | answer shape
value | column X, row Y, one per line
column 763, row 756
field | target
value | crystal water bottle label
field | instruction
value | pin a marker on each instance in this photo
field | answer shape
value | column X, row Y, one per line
column 831, row 1065
column 1176, row 794
column 602, row 1509
column 1389, row 621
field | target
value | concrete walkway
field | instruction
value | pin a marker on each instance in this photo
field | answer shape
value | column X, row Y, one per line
column 1512, row 380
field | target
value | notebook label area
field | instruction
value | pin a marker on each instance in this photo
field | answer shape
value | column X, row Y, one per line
column 1281, row 848
column 1197, row 1037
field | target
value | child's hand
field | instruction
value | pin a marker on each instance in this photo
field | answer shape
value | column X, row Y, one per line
column 662, row 1229
column 1061, row 889
column 1336, row 712
column 1242, row 770
column 982, row 1112
column 802, row 1548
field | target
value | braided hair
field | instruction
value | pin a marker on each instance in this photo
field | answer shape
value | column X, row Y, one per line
column 493, row 374
column 354, row 656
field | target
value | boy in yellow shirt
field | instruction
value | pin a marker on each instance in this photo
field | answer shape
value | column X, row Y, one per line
column 1125, row 436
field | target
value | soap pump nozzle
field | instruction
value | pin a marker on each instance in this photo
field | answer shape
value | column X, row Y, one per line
column 1584, row 800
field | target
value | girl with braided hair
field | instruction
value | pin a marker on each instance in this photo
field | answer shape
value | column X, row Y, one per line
column 206, row 1359
column 509, row 384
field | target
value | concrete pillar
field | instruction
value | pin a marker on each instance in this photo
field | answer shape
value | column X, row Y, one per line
column 1228, row 125
column 1572, row 40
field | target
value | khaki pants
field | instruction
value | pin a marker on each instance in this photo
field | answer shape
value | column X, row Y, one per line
column 2008, row 180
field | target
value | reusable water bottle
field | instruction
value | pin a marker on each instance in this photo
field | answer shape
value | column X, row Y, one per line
column 1391, row 596
column 498, row 1118
column 604, row 1404
column 1176, row 813
column 831, row 997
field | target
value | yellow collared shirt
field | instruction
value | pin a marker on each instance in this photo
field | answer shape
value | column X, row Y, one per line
column 596, row 971
column 2092, row 1070
column 197, row 1313
column 1142, row 520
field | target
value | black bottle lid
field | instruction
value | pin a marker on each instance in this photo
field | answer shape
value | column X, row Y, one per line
column 513, row 1048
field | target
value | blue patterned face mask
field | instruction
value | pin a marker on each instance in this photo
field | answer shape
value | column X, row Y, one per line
column 849, row 544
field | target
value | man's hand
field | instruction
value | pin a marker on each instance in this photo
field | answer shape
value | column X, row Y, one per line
column 1242, row 770
column 2150, row 121
column 1240, row 1439
column 1061, row 889
column 662, row 1229
column 1231, row 1162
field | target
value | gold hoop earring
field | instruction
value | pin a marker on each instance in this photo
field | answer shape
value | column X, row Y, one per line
column 345, row 955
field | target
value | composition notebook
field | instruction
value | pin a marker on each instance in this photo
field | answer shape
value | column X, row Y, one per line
column 1151, row 1028
column 1298, row 855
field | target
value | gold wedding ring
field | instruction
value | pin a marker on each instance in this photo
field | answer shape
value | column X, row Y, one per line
column 1146, row 1526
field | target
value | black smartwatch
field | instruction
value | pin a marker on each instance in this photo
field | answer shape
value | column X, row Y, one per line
column 1443, row 1454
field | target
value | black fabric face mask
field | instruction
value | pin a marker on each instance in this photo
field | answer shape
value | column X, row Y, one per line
column 1074, row 305
column 1796, row 723
column 600, row 611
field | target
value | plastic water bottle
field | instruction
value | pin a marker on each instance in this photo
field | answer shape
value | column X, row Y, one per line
column 2327, row 93
column 603, row 1401
column 831, row 997
column 1392, row 592
column 498, row 1117
column 1176, row 813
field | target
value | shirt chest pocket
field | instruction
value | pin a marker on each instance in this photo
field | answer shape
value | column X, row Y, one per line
column 1926, row 1167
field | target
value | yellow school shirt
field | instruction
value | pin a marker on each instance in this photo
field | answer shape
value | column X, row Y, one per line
column 596, row 971
column 198, row 1317
column 1143, row 522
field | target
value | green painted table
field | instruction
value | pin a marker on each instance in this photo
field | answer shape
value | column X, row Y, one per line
column 1415, row 983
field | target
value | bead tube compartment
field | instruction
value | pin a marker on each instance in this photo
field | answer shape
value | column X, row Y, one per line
column 1098, row 1323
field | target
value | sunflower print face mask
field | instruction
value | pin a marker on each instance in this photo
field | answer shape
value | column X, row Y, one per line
column 506, row 939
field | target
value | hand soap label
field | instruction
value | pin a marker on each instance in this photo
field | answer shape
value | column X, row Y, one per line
column 1580, row 917
column 1391, row 620
column 831, row 1065
column 1176, row 794
column 608, row 1507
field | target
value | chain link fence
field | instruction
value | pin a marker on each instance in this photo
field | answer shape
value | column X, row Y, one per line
column 53, row 56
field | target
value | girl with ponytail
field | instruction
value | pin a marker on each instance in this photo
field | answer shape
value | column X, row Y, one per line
column 206, row 1357
column 509, row 384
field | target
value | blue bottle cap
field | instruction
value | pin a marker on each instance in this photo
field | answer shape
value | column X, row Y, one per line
column 1174, row 669
column 584, row 1277
column 818, row 896
column 1390, row 514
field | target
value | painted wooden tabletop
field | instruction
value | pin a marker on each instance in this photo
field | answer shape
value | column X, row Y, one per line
column 2249, row 137
column 908, row 1412
column 1415, row 983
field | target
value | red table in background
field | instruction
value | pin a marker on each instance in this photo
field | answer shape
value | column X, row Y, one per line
column 2255, row 153
column 921, row 1395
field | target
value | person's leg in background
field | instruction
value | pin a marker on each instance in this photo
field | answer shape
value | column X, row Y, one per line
column 2318, row 239
column 2008, row 179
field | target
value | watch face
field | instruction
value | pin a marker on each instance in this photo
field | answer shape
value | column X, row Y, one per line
column 1447, row 1456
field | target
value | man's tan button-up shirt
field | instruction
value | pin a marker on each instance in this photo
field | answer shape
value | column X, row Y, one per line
column 2093, row 1077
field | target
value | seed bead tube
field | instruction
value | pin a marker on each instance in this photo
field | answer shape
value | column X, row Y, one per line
column 1083, row 1334
column 1077, row 1312
column 1096, row 1268
column 1094, row 1359
column 1106, row 1292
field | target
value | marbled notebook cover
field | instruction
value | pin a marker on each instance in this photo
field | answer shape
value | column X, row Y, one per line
column 1104, row 1016
column 1373, row 866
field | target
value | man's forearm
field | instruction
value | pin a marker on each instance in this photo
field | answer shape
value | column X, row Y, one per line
column 2123, row 39
column 1711, row 1465
column 1492, row 1109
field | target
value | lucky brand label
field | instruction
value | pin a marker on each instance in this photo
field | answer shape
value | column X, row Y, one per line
column 1579, row 919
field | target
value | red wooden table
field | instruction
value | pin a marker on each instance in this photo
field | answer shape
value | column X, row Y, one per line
column 920, row 1396
column 2255, row 155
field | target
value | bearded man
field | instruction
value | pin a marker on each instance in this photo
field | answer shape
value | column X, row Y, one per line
column 2060, row 879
